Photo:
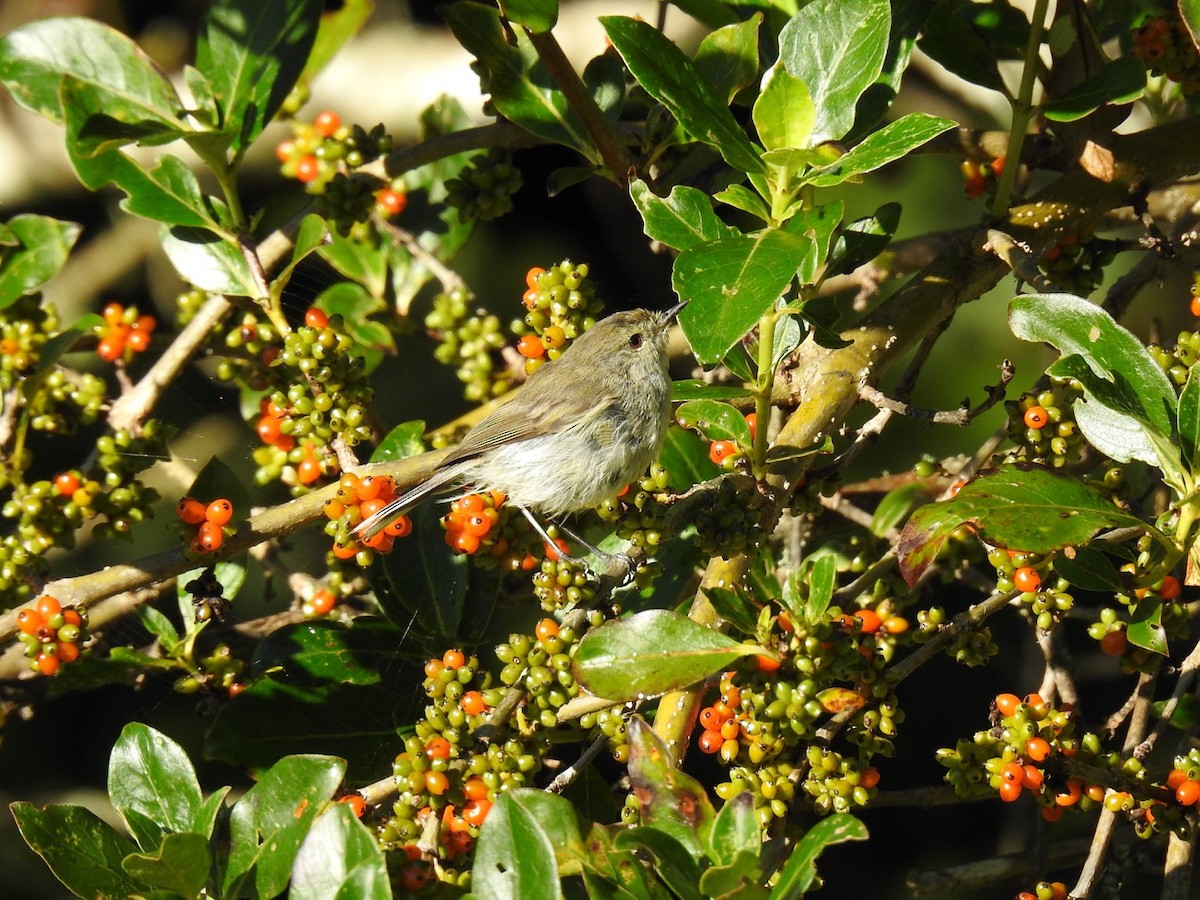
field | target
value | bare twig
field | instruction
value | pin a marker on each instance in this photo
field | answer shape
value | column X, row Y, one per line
column 567, row 776
column 962, row 416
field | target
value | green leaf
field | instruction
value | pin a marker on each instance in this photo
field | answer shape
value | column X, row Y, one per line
column 521, row 89
column 270, row 719
column 604, row 77
column 863, row 239
column 957, row 46
column 697, row 389
column 735, row 830
column 674, row 865
column 35, row 58
column 1075, row 326
column 337, row 27
column 731, row 283
column 650, row 653
column 82, row 852
column 896, row 505
column 1189, row 12
column 99, row 118
column 1189, row 420
column 741, row 197
column 822, row 579
column 716, row 420
column 42, row 247
column 819, row 224
column 728, row 57
column 894, row 140
column 674, row 81
column 270, row 821
column 683, row 219
column 514, row 857
column 1145, row 626
column 339, row 859
column 735, row 607
column 1019, row 507
column 252, row 55
column 1088, row 569
column 208, row 262
column 837, row 48
column 358, row 261
column 668, row 798
column 180, row 864
column 684, row 455
column 799, row 873
column 312, row 652
column 151, row 775
column 740, row 878
column 406, row 439
column 1187, row 711
column 1121, row 81
column 310, row 235
column 783, row 113
column 536, row 15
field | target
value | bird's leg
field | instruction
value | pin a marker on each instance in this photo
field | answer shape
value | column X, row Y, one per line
column 618, row 566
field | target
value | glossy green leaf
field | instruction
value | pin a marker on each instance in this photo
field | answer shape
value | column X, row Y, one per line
column 727, row 58
column 157, row 623
column 735, row 607
column 735, row 830
column 799, row 873
column 1019, row 507
column 1121, row 81
column 208, row 262
column 741, row 197
column 684, row 455
column 406, row 439
column 270, row 821
column 310, row 652
column 673, row 80
column 83, row 853
column 42, row 247
column 863, row 239
column 312, row 233
column 536, row 15
column 252, row 55
column 822, row 579
column 716, row 420
column 1088, row 569
column 604, row 77
column 784, row 113
column 818, row 223
column 1189, row 420
column 561, row 824
column 682, row 219
column 908, row 20
column 738, row 878
column 372, row 339
column 180, row 864
column 1189, row 13
column 358, row 261
column 101, row 118
column 150, row 774
column 730, row 284
column 893, row 141
column 697, row 389
column 337, row 26
column 953, row 43
column 896, row 505
column 837, row 48
column 339, row 859
column 514, row 857
column 1145, row 626
column 672, row 861
column 520, row 88
column 35, row 58
column 668, row 798
column 650, row 653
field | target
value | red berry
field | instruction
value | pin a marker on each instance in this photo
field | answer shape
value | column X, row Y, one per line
column 1026, row 579
column 1007, row 703
column 401, row 527
column 309, row 470
column 48, row 606
column 322, row 602
column 710, row 741
column 67, row 483
column 1032, row 777
column 29, row 620
column 67, row 651
column 870, row 620
column 1114, row 642
column 307, row 169
column 531, row 347
column 476, row 811
column 1010, row 791
column 869, row 777
column 1037, row 749
column 437, row 747
column 1036, row 417
column 314, row 317
column 210, row 537
column 110, row 348
column 190, row 511
column 454, row 659
column 219, row 512
column 138, row 341
column 472, row 703
column 1188, row 793
column 47, row 663
column 356, row 803
column 391, row 201
column 1169, row 589
column 326, row 123
column 720, row 451
column 711, row 718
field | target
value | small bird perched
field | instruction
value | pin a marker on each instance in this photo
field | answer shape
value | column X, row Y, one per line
column 582, row 427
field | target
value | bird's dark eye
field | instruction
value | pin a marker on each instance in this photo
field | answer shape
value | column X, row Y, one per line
column 635, row 341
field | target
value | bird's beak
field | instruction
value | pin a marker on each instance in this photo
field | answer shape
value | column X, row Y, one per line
column 671, row 313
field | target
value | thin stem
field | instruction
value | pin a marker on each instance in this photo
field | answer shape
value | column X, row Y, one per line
column 1022, row 111
column 762, row 392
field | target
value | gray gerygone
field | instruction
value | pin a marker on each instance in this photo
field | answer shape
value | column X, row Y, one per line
column 582, row 427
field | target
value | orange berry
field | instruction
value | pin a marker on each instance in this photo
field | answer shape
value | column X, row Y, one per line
column 391, row 201
column 110, row 349
column 47, row 663
column 1010, row 791
column 210, row 537
column 870, row 620
column 1037, row 749
column 307, row 169
column 138, row 341
column 67, row 483
column 476, row 811
column 145, row 323
column 401, row 527
column 219, row 512
column 710, row 741
column 29, row 620
column 309, row 470
column 437, row 747
column 326, row 123
column 730, row 729
column 315, row 317
column 1069, row 795
column 464, row 543
column 1188, row 793
column 322, row 602
column 896, row 625
column 546, row 629
column 1036, row 417
column 1026, row 579
column 1175, row 778
column 1195, row 305
column 530, row 297
column 711, row 718
column 475, row 789
column 67, row 651
column 1007, row 703
column 436, row 783
column 346, row 551
column 531, row 347
column 1114, row 642
column 454, row 659
column 767, row 663
column 268, row 429
column 532, row 276
column 472, row 703
column 1052, row 813
column 719, row 451
column 356, row 803
column 1032, row 777
column 752, row 421
column 71, row 616
column 556, row 552
column 1012, row 771
column 1034, row 700
column 433, row 668
column 1169, row 589
column 477, row 525
column 190, row 511
column 113, row 313
column 974, row 186
column 869, row 777
column 48, row 606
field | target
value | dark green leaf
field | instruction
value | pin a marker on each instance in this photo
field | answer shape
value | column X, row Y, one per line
column 734, row 607
column 405, row 440
column 311, row 234
column 150, row 774
column 837, row 48
column 1189, row 13
column 521, row 89
column 894, row 140
column 1145, row 625
column 817, row 223
column 697, row 389
column 317, row 651
column 711, row 13
column 339, row 859
column 674, row 81
column 514, row 857
column 337, row 26
column 1121, row 81
column 1027, row 508
column 536, row 15
column 1187, row 712
column 206, row 815
column 896, row 505
column 1189, row 420
column 209, row 262
column 675, row 866
column 179, row 865
column 605, row 79
column 42, row 247
column 741, row 197
column 1088, row 569
column 668, row 798
column 82, row 852
column 101, row 118
column 684, row 455
column 740, row 878
column 651, row 653
column 784, row 112
column 735, row 830
column 908, row 19
column 358, row 261
column 958, row 47
column 252, row 55
column 728, row 57
column 270, row 821
column 731, row 283
column 683, row 219
column 716, row 420
column 799, row 873
column 35, row 58
column 864, row 239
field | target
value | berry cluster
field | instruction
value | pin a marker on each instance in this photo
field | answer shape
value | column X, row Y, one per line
column 316, row 149
column 1076, row 263
column 1043, row 425
column 471, row 341
column 51, row 634
column 484, row 188
column 321, row 603
column 978, row 177
column 561, row 305
column 1162, row 41
column 471, row 524
column 1028, row 573
column 358, row 498
column 210, row 522
column 123, row 334
column 1045, row 890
